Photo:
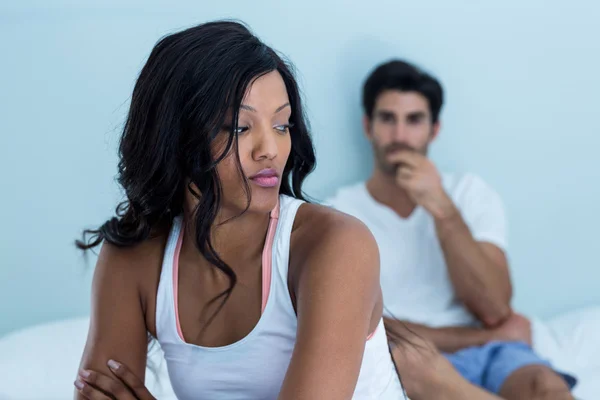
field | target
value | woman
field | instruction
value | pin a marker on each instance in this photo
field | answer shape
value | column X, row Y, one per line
column 251, row 292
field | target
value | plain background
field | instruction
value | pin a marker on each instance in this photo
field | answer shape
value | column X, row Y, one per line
column 522, row 86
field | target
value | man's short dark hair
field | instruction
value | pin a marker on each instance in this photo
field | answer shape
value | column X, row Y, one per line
column 405, row 77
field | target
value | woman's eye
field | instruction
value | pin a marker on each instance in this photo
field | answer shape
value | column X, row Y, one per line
column 284, row 128
column 241, row 130
column 237, row 131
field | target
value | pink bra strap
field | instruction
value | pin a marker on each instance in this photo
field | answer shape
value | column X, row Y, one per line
column 267, row 257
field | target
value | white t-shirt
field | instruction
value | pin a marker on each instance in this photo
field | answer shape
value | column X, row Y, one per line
column 414, row 278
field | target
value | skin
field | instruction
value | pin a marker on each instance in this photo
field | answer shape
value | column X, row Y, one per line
column 400, row 131
column 426, row 374
column 334, row 286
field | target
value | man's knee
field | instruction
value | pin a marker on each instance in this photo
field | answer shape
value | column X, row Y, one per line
column 547, row 384
column 537, row 381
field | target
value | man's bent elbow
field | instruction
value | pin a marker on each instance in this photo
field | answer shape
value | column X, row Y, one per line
column 491, row 314
column 492, row 320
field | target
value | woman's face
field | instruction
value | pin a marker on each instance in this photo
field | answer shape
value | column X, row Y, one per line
column 264, row 146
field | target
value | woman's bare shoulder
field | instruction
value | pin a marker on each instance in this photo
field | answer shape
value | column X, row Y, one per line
column 134, row 259
column 324, row 232
column 314, row 220
column 131, row 270
column 332, row 252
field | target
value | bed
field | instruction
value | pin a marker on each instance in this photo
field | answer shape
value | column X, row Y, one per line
column 41, row 362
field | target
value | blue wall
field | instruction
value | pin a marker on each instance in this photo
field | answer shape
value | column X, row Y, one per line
column 522, row 101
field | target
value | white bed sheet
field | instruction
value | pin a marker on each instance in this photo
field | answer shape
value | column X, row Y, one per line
column 571, row 342
column 41, row 363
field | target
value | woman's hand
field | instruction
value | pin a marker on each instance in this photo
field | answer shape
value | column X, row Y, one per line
column 124, row 385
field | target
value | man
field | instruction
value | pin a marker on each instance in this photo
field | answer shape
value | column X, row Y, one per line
column 442, row 241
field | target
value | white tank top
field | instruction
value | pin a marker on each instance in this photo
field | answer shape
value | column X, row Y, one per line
column 255, row 366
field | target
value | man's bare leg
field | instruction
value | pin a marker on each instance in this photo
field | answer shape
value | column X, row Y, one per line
column 535, row 382
column 426, row 374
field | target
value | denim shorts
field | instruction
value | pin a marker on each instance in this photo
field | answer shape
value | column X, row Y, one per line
column 489, row 366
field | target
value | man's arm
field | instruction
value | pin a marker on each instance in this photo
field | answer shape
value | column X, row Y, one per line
column 516, row 328
column 447, row 340
column 478, row 271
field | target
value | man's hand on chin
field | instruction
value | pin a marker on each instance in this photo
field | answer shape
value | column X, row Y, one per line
column 420, row 178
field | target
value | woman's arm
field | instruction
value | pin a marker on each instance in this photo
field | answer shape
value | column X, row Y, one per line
column 336, row 290
column 117, row 326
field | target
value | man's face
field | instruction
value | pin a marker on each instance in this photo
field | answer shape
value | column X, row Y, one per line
column 401, row 121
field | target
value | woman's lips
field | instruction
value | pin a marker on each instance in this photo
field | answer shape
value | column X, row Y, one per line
column 266, row 178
